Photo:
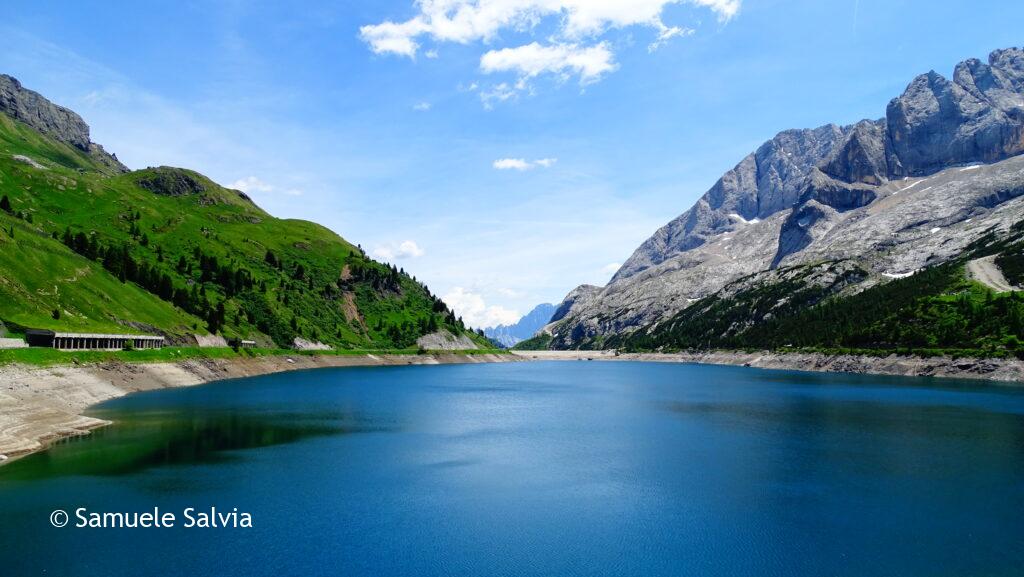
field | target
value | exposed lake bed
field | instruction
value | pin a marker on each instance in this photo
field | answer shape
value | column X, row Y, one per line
column 540, row 468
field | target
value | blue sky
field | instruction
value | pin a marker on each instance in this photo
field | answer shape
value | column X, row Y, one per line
column 503, row 154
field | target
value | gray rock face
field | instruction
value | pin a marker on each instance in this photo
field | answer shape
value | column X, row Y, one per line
column 863, row 157
column 765, row 182
column 803, row 226
column 976, row 117
column 577, row 297
column 31, row 108
column 55, row 121
column 893, row 195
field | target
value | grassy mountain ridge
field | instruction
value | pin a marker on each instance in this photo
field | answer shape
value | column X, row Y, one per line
column 85, row 247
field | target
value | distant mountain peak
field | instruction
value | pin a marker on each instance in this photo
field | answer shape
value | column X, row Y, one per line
column 526, row 327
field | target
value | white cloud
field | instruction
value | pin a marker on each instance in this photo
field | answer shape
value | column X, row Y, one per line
column 573, row 49
column 668, row 34
column 394, row 38
column 422, row 106
column 565, row 60
column 725, row 9
column 512, row 164
column 465, row 21
column 522, row 164
column 475, row 311
column 403, row 250
column 611, row 268
column 251, row 184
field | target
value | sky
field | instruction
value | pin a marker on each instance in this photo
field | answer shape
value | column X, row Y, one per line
column 502, row 151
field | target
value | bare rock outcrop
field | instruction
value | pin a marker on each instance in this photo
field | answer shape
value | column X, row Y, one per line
column 302, row 344
column 976, row 117
column 444, row 340
column 170, row 181
column 56, row 121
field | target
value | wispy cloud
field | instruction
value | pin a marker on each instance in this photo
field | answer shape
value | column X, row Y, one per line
column 251, row 184
column 501, row 92
column 522, row 164
column 668, row 33
column 403, row 250
column 422, row 106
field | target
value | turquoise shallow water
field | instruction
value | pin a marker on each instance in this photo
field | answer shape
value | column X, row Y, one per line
column 539, row 469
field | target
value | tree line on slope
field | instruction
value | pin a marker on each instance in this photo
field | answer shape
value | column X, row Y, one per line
column 935, row 310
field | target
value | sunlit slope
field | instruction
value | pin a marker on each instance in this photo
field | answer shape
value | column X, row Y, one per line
column 167, row 249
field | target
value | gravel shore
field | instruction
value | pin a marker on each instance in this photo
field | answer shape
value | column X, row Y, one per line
column 1008, row 371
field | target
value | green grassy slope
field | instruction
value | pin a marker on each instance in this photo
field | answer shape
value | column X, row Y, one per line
column 537, row 343
column 164, row 249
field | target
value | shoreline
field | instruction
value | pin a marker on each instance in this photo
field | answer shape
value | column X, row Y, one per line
column 1008, row 372
column 40, row 406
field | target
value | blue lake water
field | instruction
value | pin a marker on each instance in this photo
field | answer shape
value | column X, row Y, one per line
column 539, row 469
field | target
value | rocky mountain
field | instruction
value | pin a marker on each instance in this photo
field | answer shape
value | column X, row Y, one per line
column 893, row 195
column 523, row 329
column 55, row 121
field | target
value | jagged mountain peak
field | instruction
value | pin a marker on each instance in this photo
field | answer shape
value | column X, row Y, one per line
column 800, row 191
column 767, row 181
